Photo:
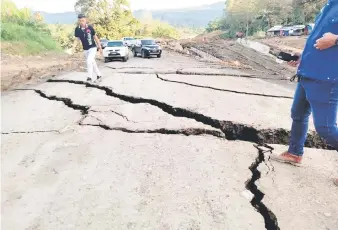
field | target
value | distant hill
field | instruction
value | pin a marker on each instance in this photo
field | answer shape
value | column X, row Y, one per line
column 190, row 17
column 186, row 17
column 61, row 18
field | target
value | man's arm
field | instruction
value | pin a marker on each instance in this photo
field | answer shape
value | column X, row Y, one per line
column 75, row 40
column 97, row 41
column 74, row 44
column 327, row 41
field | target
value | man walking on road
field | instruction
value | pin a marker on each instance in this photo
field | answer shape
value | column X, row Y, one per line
column 317, row 89
column 86, row 34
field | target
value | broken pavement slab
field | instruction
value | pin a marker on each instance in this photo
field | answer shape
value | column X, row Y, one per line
column 93, row 176
column 145, row 71
column 302, row 197
column 27, row 111
column 232, row 130
column 212, row 71
column 138, row 117
column 259, row 112
column 230, row 84
column 79, row 95
column 126, row 185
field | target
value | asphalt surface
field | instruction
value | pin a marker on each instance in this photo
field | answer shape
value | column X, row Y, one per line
column 170, row 143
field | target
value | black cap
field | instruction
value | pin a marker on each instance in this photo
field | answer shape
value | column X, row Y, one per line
column 81, row 16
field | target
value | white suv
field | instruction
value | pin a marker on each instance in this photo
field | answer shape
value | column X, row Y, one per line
column 129, row 41
column 115, row 50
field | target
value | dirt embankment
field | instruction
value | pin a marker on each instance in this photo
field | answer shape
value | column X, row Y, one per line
column 292, row 44
column 20, row 70
column 231, row 54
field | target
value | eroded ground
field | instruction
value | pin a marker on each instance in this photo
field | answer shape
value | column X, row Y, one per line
column 171, row 143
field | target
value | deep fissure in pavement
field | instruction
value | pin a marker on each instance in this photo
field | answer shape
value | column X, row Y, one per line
column 223, row 90
column 231, row 130
column 185, row 132
column 85, row 110
column 68, row 102
column 270, row 218
column 182, row 72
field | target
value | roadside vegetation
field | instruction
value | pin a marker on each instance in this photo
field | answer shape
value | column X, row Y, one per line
column 24, row 33
column 256, row 16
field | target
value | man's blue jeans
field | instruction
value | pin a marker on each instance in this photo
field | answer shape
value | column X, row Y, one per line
column 320, row 97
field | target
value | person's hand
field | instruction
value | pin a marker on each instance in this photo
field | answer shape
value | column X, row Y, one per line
column 327, row 41
column 295, row 63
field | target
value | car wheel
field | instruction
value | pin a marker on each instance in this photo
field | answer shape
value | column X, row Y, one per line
column 134, row 52
column 159, row 55
column 125, row 59
column 106, row 60
column 143, row 54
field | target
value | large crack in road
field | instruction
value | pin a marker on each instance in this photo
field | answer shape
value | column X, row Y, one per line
column 222, row 90
column 68, row 102
column 185, row 132
column 183, row 72
column 85, row 112
column 270, row 219
column 231, row 131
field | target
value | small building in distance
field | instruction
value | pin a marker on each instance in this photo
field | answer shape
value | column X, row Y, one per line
column 290, row 30
column 285, row 30
column 274, row 31
column 309, row 28
column 297, row 30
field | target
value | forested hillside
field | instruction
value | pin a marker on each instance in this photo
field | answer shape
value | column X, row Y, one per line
column 251, row 16
column 23, row 32
column 194, row 17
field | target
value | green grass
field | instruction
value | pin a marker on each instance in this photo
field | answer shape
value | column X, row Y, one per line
column 25, row 40
column 227, row 35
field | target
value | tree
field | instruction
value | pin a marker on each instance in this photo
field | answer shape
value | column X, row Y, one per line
column 255, row 15
column 112, row 19
column 84, row 6
column 243, row 10
column 163, row 30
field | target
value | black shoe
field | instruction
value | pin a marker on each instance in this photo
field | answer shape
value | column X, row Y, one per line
column 89, row 79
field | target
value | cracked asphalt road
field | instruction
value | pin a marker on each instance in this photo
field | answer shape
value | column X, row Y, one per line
column 165, row 143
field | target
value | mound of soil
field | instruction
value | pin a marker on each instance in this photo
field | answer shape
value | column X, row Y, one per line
column 19, row 70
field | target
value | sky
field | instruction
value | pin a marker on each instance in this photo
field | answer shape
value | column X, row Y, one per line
column 68, row 5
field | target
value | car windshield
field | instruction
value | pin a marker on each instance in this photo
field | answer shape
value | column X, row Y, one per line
column 103, row 40
column 129, row 39
column 148, row 42
column 115, row 44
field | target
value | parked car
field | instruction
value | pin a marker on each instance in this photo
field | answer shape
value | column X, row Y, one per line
column 103, row 43
column 147, row 48
column 115, row 50
column 129, row 41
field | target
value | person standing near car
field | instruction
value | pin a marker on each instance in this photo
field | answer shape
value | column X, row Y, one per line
column 90, row 43
column 317, row 89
